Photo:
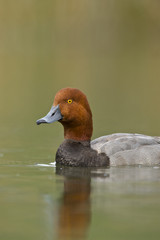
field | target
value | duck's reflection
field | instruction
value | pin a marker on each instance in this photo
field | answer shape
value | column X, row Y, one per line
column 75, row 210
column 75, row 207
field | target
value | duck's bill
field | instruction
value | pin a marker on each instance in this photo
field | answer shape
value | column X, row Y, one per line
column 53, row 116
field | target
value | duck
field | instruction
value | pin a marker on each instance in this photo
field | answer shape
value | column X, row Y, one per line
column 71, row 108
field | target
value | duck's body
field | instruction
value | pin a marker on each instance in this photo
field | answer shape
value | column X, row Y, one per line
column 129, row 149
column 80, row 154
column 72, row 110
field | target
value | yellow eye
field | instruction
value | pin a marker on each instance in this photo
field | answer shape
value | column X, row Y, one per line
column 69, row 101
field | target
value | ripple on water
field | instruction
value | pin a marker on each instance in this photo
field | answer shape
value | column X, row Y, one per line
column 52, row 164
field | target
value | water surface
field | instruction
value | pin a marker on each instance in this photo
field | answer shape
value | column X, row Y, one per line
column 46, row 202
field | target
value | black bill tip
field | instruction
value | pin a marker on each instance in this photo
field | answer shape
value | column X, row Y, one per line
column 40, row 121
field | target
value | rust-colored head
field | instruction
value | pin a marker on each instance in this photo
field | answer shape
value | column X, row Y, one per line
column 75, row 112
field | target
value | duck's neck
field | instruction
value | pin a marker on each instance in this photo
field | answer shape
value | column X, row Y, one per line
column 78, row 133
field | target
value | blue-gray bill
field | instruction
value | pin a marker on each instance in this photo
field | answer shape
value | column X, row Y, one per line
column 53, row 116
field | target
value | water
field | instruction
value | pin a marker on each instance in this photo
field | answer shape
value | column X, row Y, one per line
column 48, row 202
column 111, row 51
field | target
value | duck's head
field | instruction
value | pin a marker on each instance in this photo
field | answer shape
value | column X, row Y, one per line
column 72, row 110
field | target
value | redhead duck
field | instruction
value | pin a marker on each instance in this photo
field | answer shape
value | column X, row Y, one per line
column 72, row 110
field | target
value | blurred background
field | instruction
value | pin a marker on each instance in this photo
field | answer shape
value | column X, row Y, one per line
column 108, row 49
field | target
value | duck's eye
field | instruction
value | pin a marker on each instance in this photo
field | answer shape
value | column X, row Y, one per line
column 69, row 101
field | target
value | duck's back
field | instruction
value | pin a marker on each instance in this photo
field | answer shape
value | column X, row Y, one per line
column 129, row 149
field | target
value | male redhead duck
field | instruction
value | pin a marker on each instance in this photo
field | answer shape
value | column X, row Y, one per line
column 72, row 110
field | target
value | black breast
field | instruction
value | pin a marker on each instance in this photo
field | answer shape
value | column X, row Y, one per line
column 80, row 154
